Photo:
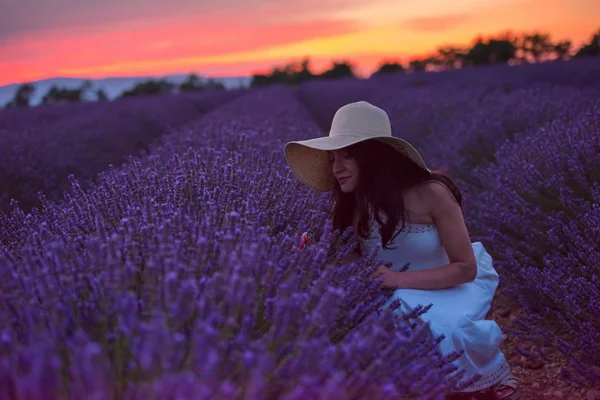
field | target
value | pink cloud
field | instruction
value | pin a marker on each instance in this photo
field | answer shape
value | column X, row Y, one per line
column 39, row 56
column 22, row 18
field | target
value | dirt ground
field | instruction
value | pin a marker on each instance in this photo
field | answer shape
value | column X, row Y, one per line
column 539, row 380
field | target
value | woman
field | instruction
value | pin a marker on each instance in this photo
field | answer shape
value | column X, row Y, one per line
column 384, row 190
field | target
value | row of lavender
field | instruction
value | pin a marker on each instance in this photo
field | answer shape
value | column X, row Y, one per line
column 40, row 147
column 19, row 118
column 538, row 205
column 527, row 159
column 172, row 278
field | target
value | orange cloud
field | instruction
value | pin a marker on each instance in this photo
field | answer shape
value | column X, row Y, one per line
column 437, row 23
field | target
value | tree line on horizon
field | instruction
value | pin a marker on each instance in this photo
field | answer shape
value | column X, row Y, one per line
column 56, row 95
column 503, row 48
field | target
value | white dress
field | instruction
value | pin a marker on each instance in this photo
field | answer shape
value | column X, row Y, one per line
column 457, row 313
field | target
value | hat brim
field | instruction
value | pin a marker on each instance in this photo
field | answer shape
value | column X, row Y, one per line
column 310, row 163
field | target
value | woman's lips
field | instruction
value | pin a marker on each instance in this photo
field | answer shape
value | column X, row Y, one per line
column 342, row 180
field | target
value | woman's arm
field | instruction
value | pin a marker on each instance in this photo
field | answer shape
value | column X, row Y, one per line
column 450, row 224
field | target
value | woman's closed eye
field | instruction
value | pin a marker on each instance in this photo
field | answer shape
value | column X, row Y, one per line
column 342, row 155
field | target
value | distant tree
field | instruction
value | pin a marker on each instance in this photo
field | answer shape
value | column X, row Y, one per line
column 389, row 67
column 338, row 70
column 57, row 95
column 479, row 54
column 418, row 64
column 562, row 49
column 101, row 95
column 490, row 51
column 192, row 83
column 501, row 50
column 280, row 75
column 22, row 96
column 213, row 84
column 450, row 56
column 591, row 49
column 292, row 73
column 536, row 47
column 259, row 80
column 300, row 72
column 277, row 75
column 149, row 87
column 52, row 95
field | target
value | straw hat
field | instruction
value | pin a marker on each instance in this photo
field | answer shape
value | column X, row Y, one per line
column 352, row 123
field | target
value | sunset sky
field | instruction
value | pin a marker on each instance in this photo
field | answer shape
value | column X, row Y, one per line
column 102, row 38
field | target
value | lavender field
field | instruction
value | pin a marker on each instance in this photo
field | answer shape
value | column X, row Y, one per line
column 169, row 276
column 41, row 147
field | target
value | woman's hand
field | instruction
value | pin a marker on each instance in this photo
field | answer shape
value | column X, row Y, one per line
column 389, row 279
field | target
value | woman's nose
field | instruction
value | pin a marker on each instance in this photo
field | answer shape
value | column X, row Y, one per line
column 337, row 167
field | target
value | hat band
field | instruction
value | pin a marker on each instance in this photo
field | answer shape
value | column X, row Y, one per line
column 353, row 133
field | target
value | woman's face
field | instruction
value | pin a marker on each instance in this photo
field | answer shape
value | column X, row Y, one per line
column 345, row 169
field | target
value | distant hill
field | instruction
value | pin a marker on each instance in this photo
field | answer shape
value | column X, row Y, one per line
column 113, row 87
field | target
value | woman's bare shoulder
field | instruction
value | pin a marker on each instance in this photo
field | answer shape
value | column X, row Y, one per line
column 433, row 194
column 418, row 203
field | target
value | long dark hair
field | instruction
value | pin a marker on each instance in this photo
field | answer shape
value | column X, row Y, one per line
column 384, row 176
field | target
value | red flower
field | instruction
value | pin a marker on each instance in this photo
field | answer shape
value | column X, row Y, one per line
column 304, row 240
